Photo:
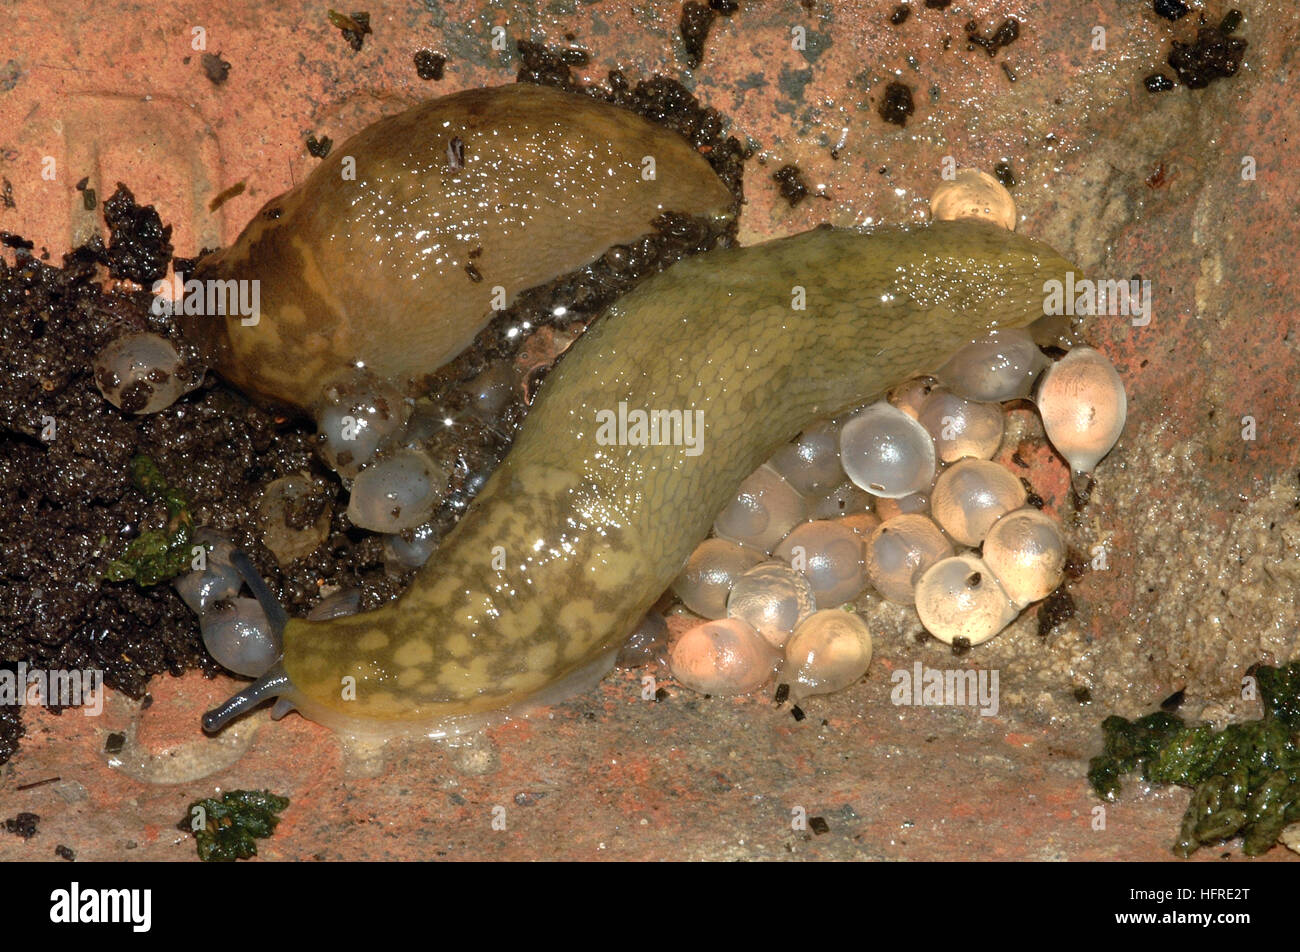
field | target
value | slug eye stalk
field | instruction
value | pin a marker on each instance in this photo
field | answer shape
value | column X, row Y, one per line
column 272, row 684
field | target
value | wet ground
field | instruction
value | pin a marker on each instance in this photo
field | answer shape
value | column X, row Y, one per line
column 1192, row 530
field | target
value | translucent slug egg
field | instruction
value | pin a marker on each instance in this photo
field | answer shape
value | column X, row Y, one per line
column 961, row 427
column 763, row 510
column 1025, row 550
column 356, row 420
column 237, row 634
column 811, row 463
column 998, row 367
column 142, row 373
column 1082, row 402
column 845, row 499
column 723, row 657
column 971, row 495
column 294, row 515
column 831, row 556
column 397, row 492
column 828, row 652
column 886, row 452
column 218, row 579
column 772, row 599
column 974, row 194
column 960, row 598
column 911, row 393
column 710, row 573
column 411, row 548
column 492, row 390
column 899, row 551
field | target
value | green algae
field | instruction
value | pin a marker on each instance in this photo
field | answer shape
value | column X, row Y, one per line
column 228, row 829
column 158, row 554
column 1245, row 779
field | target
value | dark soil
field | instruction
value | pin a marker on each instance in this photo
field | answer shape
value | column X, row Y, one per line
column 215, row 68
column 791, row 182
column 24, row 825
column 697, row 19
column 429, row 65
column 1213, row 55
column 897, row 104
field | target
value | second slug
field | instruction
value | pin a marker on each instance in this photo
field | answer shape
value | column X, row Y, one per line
column 573, row 537
column 396, row 250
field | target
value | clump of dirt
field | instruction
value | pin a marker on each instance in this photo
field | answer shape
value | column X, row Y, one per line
column 429, row 65
column 24, row 825
column 139, row 247
column 791, row 182
column 697, row 20
column 215, row 68
column 319, row 148
column 1006, row 34
column 897, row 104
column 1158, row 83
column 549, row 66
column 1172, row 9
column 1213, row 55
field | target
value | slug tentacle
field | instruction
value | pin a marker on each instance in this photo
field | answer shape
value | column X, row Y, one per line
column 274, row 683
column 589, row 519
column 276, row 617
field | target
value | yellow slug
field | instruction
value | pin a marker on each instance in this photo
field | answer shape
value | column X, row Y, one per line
column 395, row 251
column 572, row 539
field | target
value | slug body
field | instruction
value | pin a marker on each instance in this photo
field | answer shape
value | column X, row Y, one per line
column 398, row 247
column 572, row 540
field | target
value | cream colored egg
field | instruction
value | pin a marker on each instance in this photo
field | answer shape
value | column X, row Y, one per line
column 959, row 597
column 829, row 651
column 1082, row 402
column 723, row 657
column 974, row 194
column 1026, row 551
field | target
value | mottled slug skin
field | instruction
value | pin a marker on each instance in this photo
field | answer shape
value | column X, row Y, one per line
column 396, row 269
column 591, row 535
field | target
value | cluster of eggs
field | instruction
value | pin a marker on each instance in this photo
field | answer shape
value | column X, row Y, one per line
column 378, row 442
column 244, row 634
column 369, row 433
column 951, row 532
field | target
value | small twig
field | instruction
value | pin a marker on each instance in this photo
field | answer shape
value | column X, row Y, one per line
column 38, row 783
